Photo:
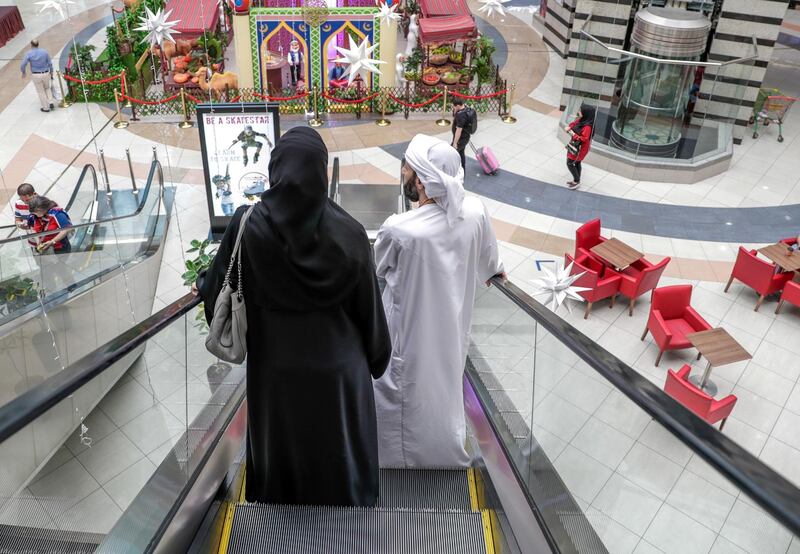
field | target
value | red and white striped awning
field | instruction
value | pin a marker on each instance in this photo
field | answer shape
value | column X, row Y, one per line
column 442, row 29
column 193, row 18
column 443, row 8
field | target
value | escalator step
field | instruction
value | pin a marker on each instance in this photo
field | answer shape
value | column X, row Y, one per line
column 318, row 530
column 434, row 489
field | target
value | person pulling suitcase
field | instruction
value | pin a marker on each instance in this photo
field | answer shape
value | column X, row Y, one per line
column 465, row 123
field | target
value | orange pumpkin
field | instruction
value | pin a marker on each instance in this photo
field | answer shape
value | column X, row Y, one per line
column 181, row 78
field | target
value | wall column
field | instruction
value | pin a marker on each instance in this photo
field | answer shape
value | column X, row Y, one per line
column 243, row 50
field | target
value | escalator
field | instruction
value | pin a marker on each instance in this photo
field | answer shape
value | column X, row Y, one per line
column 542, row 479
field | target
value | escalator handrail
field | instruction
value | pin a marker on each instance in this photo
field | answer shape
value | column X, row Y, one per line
column 333, row 190
column 155, row 165
column 31, row 404
column 74, row 195
column 771, row 491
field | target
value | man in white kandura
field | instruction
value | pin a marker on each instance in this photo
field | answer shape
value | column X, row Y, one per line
column 432, row 259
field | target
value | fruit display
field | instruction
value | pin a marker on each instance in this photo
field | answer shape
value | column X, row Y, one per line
column 456, row 57
column 431, row 79
column 451, row 78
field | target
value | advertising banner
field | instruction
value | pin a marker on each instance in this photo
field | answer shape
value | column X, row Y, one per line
column 236, row 142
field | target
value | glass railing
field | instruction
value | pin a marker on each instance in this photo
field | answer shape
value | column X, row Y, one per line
column 610, row 462
column 155, row 415
column 29, row 278
column 607, row 461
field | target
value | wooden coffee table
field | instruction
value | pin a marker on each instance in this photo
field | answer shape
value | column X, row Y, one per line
column 779, row 253
column 616, row 253
column 719, row 348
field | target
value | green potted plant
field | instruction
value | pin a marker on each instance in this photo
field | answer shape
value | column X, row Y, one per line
column 194, row 267
column 16, row 293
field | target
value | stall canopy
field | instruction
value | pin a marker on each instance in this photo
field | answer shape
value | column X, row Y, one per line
column 442, row 29
column 194, row 17
column 444, row 20
column 443, row 8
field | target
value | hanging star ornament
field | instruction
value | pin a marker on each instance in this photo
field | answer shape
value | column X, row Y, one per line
column 388, row 15
column 54, row 5
column 157, row 27
column 558, row 286
column 358, row 61
column 490, row 7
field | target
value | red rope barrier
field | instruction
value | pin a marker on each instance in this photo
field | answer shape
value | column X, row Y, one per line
column 278, row 98
column 236, row 98
column 151, row 102
column 100, row 82
column 433, row 99
column 192, row 98
column 346, row 101
column 479, row 97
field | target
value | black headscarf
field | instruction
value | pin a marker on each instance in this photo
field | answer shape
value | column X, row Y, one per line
column 587, row 117
column 303, row 251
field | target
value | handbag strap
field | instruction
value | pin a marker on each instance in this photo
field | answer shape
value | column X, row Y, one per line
column 236, row 255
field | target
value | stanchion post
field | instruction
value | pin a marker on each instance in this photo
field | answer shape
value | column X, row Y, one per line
column 444, row 122
column 383, row 122
column 508, row 118
column 64, row 102
column 315, row 121
column 126, row 90
column 121, row 123
column 187, row 122
column 408, row 99
column 130, row 169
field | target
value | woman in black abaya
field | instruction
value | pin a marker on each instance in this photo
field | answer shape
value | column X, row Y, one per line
column 316, row 336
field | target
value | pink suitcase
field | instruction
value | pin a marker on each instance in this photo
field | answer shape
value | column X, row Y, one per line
column 487, row 159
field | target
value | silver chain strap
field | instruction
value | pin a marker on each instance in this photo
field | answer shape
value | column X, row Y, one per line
column 236, row 255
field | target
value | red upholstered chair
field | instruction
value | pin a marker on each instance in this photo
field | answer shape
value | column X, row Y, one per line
column 694, row 399
column 587, row 236
column 757, row 274
column 672, row 318
column 791, row 294
column 639, row 278
column 600, row 286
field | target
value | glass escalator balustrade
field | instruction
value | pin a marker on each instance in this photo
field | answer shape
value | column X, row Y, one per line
column 590, row 445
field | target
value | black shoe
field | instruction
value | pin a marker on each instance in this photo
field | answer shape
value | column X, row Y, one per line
column 52, row 106
column 43, row 110
column 573, row 185
column 255, row 158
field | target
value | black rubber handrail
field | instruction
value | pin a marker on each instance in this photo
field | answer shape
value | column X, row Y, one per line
column 770, row 490
column 155, row 165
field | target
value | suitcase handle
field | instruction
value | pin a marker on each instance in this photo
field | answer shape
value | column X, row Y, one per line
column 474, row 151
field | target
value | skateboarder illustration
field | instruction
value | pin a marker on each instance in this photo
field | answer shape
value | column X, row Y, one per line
column 223, row 185
column 248, row 140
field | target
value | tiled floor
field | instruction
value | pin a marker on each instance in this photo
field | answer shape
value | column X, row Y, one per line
column 634, row 481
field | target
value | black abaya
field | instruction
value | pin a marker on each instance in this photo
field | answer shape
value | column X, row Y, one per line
column 316, row 336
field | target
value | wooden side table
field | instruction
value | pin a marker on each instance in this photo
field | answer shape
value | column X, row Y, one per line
column 719, row 348
column 616, row 253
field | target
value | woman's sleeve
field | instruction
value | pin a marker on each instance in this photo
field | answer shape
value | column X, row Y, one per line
column 370, row 319
column 586, row 133
column 210, row 283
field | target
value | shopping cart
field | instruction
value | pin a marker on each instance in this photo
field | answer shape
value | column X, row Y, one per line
column 773, row 110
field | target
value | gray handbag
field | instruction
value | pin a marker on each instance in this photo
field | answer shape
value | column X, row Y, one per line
column 228, row 330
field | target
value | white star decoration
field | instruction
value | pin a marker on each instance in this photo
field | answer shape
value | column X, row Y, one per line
column 358, row 61
column 387, row 14
column 54, row 5
column 558, row 285
column 157, row 27
column 490, row 7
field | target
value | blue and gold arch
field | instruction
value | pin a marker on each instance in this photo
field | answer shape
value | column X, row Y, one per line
column 267, row 22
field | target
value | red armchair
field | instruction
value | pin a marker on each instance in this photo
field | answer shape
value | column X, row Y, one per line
column 697, row 401
column 639, row 278
column 790, row 241
column 587, row 236
column 757, row 274
column 672, row 318
column 599, row 285
column 791, row 294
